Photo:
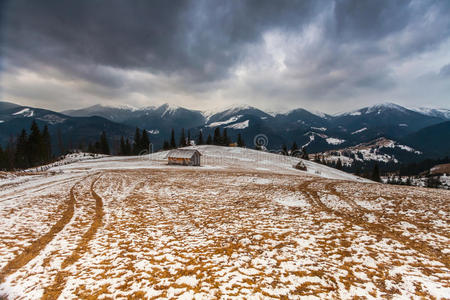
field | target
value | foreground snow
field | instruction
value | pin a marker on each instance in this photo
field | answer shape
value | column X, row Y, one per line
column 245, row 225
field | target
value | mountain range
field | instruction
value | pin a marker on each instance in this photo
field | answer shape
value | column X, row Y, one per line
column 317, row 131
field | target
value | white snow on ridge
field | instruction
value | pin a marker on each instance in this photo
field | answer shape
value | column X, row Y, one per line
column 319, row 128
column 26, row 112
column 1, row 121
column 334, row 141
column 359, row 130
column 153, row 131
column 230, row 120
column 241, row 125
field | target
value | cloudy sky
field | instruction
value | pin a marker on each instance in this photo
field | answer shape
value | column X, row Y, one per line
column 276, row 55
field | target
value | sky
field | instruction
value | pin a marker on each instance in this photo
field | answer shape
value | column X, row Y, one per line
column 205, row 54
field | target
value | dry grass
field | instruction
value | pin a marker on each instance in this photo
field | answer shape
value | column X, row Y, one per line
column 171, row 233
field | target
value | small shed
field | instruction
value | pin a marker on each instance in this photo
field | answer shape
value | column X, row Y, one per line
column 184, row 157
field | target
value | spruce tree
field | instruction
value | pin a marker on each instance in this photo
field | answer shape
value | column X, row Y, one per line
column 189, row 138
column 225, row 139
column 137, row 142
column 182, row 139
column 21, row 153
column 46, row 145
column 104, row 146
column 173, row 144
column 209, row 140
column 145, row 141
column 304, row 153
column 376, row 173
column 128, row 150
column 34, row 148
column 200, row 138
column 294, row 148
column 122, row 150
column 240, row 141
column 217, row 139
column 339, row 164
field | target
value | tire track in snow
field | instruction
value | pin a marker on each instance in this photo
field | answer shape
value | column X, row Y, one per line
column 35, row 248
column 33, row 189
column 54, row 291
column 379, row 215
column 381, row 229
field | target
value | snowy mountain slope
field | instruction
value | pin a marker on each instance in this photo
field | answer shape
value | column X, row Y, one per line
column 217, row 157
column 379, row 150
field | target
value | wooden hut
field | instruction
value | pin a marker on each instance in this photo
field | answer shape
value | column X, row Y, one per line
column 184, row 157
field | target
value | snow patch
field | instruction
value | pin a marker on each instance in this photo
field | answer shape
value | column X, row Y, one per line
column 359, row 130
column 241, row 125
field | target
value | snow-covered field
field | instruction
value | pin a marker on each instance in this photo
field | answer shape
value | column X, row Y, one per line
column 244, row 225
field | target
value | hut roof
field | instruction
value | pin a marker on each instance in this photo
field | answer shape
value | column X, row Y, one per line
column 182, row 153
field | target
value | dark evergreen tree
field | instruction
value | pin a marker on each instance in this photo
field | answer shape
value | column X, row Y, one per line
column 173, row 144
column 137, row 142
column 284, row 149
column 240, row 141
column 304, row 153
column 226, row 141
column 122, row 150
column 217, row 139
column 104, row 146
column 182, row 139
column 294, row 149
column 21, row 153
column 209, row 140
column 376, row 173
column 189, row 138
column 200, row 138
column 166, row 145
column 145, row 141
column 47, row 145
column 34, row 148
column 339, row 164
column 128, row 150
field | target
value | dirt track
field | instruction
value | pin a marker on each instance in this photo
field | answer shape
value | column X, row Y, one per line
column 167, row 233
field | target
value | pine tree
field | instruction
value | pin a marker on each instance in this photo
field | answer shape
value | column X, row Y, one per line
column 182, row 139
column 200, row 138
column 217, row 139
column 46, row 145
column 209, row 140
column 34, row 148
column 145, row 141
column 294, row 149
column 226, row 141
column 166, row 145
column 21, row 157
column 3, row 159
column 122, row 150
column 104, row 146
column 189, row 138
column 339, row 164
column 128, row 150
column 284, row 149
column 137, row 142
column 172, row 140
column 240, row 141
column 376, row 173
column 305, row 153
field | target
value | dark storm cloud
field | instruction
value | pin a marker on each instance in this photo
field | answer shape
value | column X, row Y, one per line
column 195, row 46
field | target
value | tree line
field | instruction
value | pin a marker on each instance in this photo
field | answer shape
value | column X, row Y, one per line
column 219, row 138
column 29, row 149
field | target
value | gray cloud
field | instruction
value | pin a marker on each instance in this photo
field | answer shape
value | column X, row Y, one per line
column 303, row 53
